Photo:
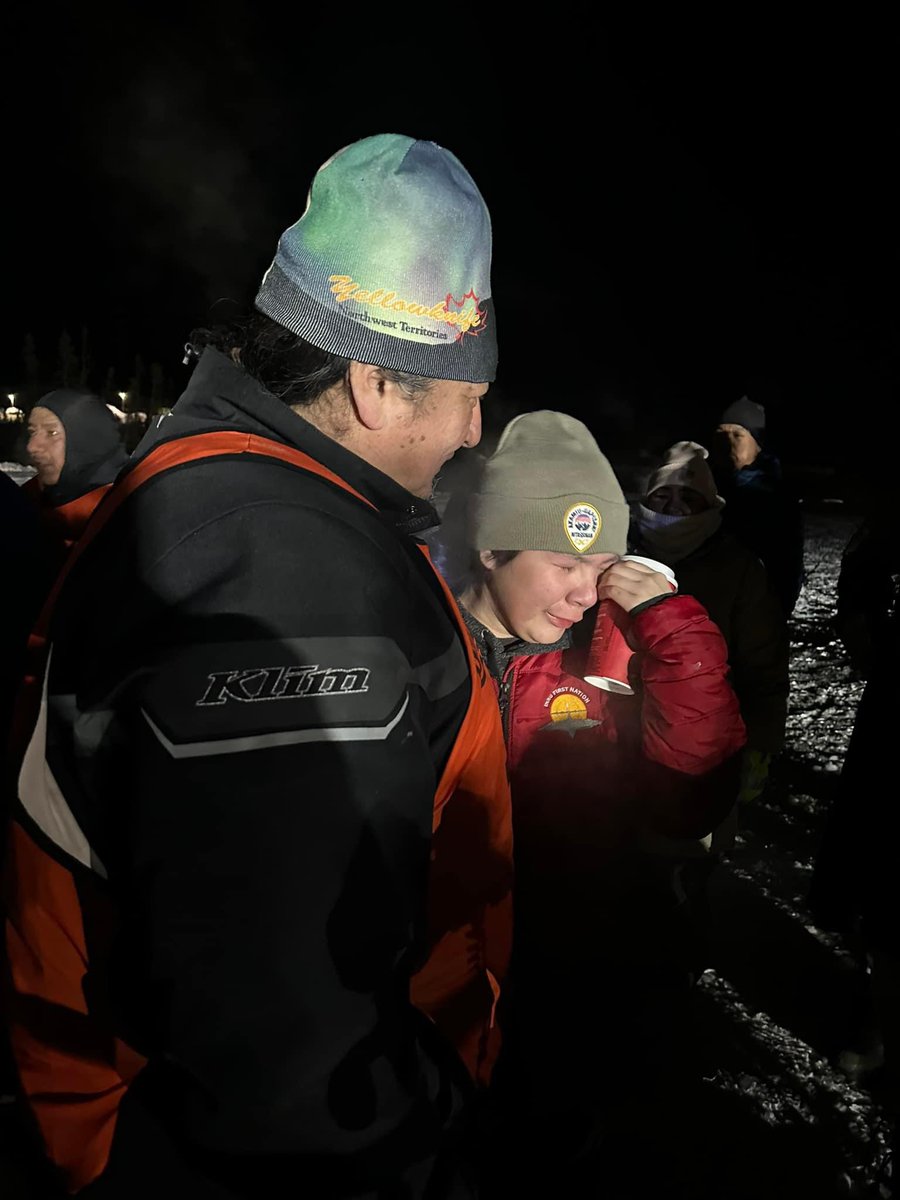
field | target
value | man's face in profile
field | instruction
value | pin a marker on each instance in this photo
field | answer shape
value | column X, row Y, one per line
column 743, row 448
column 46, row 445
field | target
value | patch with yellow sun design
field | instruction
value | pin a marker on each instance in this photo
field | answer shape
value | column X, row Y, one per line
column 568, row 712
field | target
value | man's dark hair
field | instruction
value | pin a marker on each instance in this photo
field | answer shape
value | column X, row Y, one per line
column 284, row 363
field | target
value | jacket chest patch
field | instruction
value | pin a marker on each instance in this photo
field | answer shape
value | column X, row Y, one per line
column 567, row 707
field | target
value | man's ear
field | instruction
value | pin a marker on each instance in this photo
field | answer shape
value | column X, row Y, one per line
column 368, row 394
column 488, row 559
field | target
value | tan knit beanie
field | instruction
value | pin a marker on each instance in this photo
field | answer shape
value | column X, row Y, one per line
column 685, row 465
column 547, row 486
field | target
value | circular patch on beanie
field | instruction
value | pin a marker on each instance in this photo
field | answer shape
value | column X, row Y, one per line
column 582, row 525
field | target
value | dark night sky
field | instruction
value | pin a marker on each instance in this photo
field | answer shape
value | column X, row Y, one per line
column 681, row 213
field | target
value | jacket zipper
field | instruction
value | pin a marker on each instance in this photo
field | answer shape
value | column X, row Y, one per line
column 505, row 697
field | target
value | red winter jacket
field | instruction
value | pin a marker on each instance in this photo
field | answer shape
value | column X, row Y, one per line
column 592, row 772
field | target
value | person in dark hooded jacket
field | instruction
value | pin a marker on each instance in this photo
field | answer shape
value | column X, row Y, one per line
column 75, row 447
column 680, row 521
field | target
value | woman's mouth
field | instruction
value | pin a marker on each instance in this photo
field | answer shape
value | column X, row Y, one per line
column 560, row 622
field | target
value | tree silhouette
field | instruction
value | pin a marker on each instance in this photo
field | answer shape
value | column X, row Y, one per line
column 85, row 371
column 109, row 387
column 67, row 371
column 157, row 387
column 135, row 385
column 32, row 370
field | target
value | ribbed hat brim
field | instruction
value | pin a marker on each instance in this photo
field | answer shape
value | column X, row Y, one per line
column 469, row 360
column 515, row 523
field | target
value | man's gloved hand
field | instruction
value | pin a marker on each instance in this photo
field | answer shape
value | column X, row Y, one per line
column 754, row 775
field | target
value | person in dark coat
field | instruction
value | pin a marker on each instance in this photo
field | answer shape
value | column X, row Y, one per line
column 762, row 512
column 681, row 522
column 258, row 897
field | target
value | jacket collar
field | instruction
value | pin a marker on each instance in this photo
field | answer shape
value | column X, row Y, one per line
column 499, row 652
column 221, row 395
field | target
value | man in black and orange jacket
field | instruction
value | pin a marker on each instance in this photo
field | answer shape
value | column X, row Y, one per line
column 258, row 893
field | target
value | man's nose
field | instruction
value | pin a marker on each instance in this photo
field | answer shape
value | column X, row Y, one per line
column 473, row 437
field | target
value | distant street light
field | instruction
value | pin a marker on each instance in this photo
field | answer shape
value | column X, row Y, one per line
column 123, row 396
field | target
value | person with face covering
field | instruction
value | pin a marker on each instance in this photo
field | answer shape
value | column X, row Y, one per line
column 590, row 771
column 679, row 522
column 75, row 448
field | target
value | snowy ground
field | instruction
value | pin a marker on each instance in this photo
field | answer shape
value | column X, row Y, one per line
column 771, row 1115
column 784, row 999
column 18, row 472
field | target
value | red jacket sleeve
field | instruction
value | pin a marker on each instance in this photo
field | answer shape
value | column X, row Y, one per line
column 691, row 726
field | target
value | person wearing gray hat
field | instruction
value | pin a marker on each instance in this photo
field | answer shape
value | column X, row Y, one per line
column 545, row 528
column 762, row 510
column 743, row 423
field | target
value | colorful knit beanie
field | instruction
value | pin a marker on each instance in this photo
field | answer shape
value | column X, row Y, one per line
column 390, row 263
